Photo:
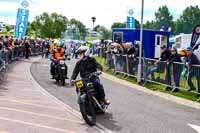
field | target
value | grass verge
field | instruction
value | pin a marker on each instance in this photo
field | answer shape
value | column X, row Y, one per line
column 152, row 86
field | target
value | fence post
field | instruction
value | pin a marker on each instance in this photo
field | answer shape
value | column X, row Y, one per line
column 127, row 65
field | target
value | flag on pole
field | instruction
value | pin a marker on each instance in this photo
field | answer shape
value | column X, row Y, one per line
column 22, row 18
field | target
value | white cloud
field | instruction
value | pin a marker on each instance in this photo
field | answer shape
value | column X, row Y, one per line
column 106, row 11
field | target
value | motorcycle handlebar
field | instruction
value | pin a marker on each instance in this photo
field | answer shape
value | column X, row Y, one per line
column 95, row 74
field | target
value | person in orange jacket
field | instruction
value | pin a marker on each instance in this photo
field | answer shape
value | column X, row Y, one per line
column 57, row 54
column 52, row 46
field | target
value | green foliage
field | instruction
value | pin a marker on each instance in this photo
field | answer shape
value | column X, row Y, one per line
column 46, row 25
column 118, row 25
column 106, row 33
column 123, row 25
column 8, row 28
column 54, row 25
column 164, row 18
column 189, row 19
column 77, row 25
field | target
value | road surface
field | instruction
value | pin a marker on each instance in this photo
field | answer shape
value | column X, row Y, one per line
column 131, row 111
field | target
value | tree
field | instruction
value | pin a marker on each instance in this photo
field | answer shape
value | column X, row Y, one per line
column 30, row 30
column 96, row 27
column 106, row 33
column 137, row 24
column 8, row 28
column 188, row 20
column 150, row 25
column 163, row 18
column 77, row 26
column 51, row 26
column 118, row 25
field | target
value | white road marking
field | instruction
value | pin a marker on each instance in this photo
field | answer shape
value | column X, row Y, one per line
column 36, row 125
column 31, row 104
column 195, row 127
column 38, row 114
column 1, row 131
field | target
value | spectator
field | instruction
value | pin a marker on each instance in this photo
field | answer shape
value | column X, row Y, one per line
column 27, row 49
column 173, row 61
column 17, row 48
column 192, row 70
column 118, row 51
column 109, row 57
column 160, row 64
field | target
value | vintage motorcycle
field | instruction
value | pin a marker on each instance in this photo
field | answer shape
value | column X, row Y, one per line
column 60, row 71
column 88, row 100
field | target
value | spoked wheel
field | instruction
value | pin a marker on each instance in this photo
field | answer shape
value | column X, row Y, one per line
column 88, row 113
column 62, row 77
column 63, row 80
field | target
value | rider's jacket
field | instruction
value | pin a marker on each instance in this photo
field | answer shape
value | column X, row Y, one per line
column 85, row 67
column 57, row 54
column 52, row 47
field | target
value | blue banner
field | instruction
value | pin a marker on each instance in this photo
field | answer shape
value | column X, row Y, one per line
column 130, row 22
column 22, row 22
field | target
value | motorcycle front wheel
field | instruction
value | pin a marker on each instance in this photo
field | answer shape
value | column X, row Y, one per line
column 88, row 113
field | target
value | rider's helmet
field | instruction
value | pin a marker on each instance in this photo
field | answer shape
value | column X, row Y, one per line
column 81, row 49
column 58, row 45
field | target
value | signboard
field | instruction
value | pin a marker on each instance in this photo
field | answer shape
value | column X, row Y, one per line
column 22, row 21
column 195, row 36
column 24, row 4
column 130, row 23
column 22, row 18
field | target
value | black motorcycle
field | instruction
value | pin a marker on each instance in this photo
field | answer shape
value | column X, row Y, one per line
column 60, row 71
column 88, row 100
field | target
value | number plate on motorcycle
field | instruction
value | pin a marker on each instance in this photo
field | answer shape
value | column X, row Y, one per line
column 62, row 62
column 62, row 67
column 79, row 84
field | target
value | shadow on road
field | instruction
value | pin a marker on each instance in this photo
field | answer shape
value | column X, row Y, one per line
column 108, row 122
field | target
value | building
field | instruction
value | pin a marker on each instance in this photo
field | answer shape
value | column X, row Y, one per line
column 2, row 27
column 152, row 39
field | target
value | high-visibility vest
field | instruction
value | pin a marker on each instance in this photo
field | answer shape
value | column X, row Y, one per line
column 88, row 45
column 59, row 54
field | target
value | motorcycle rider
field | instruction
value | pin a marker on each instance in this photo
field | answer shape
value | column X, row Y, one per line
column 57, row 54
column 85, row 66
column 53, row 46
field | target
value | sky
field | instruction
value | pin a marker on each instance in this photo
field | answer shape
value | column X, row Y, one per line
column 106, row 11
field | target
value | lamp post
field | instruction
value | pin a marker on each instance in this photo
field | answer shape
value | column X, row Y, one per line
column 140, row 52
column 93, row 20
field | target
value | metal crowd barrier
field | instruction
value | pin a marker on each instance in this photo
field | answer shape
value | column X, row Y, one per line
column 12, row 54
column 173, row 75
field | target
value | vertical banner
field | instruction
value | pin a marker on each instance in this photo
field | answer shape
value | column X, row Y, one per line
column 130, row 23
column 22, row 18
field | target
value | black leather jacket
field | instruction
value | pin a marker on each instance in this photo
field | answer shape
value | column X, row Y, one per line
column 85, row 67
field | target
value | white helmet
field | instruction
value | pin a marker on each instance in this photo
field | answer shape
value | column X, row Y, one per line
column 81, row 49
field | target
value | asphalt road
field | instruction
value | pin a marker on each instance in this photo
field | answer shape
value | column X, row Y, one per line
column 131, row 111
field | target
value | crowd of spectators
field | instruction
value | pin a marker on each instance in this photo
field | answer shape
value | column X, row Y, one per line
column 14, row 49
column 171, row 64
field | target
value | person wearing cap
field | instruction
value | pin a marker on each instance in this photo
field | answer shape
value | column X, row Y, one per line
column 85, row 66
column 193, row 71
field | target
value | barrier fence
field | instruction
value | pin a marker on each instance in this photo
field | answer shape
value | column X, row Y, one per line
column 12, row 54
column 174, row 75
